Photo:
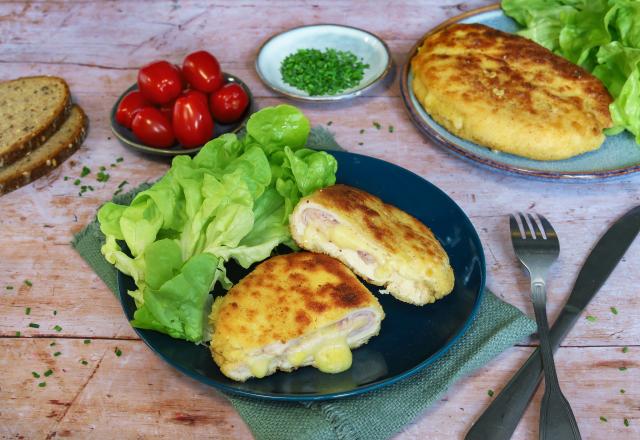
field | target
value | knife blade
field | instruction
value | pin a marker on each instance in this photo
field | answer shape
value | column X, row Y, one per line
column 501, row 418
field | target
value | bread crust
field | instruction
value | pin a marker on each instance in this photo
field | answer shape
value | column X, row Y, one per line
column 43, row 132
column 20, row 177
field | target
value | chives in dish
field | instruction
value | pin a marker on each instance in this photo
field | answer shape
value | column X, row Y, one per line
column 36, row 375
column 591, row 318
column 625, row 349
column 603, row 419
column 27, row 311
column 34, row 325
column 614, row 310
column 48, row 373
column 87, row 341
column 57, row 328
column 118, row 352
column 28, row 283
column 57, row 353
column 42, row 384
column 85, row 171
column 327, row 72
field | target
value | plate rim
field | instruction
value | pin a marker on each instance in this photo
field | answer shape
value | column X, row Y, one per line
column 172, row 152
column 470, row 318
column 324, row 98
column 430, row 133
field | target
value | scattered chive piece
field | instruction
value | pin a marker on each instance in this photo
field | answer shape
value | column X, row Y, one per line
column 119, row 159
column 42, row 384
column 85, row 171
column 83, row 362
column 76, row 182
column 622, row 368
column 591, row 318
column 391, row 129
column 18, row 334
column 9, row 287
column 113, row 165
column 57, row 328
column 28, row 283
column 102, row 168
column 27, row 311
column 626, row 422
column 330, row 122
column 327, row 72
column 66, row 177
column 490, row 393
column 55, row 312
column 613, row 310
column 57, row 353
column 87, row 341
column 34, row 325
column 622, row 391
column 377, row 125
column 102, row 176
column 48, row 373
column 36, row 375
column 123, row 183
column 362, row 131
column 625, row 349
column 118, row 352
column 52, row 344
column 360, row 143
column 603, row 419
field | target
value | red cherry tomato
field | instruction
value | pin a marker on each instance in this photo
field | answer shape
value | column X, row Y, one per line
column 160, row 82
column 229, row 103
column 129, row 105
column 167, row 110
column 202, row 71
column 192, row 121
column 152, row 128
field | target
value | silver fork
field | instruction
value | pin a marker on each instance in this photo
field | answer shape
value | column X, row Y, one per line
column 537, row 250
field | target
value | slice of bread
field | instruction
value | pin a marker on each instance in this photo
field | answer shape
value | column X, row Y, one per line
column 49, row 155
column 32, row 109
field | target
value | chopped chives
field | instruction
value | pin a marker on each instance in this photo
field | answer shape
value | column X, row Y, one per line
column 87, row 341
column 57, row 328
column 613, row 310
column 119, row 159
column 28, row 283
column 55, row 312
column 330, row 122
column 626, row 422
column 77, row 182
column 36, row 375
column 34, row 325
column 27, row 311
column 377, row 125
column 622, row 391
column 490, row 393
column 391, row 129
column 83, row 362
column 48, row 373
column 52, row 344
column 622, row 368
column 18, row 334
column 9, row 287
column 360, row 143
column 591, row 318
column 603, row 419
column 85, row 171
column 102, row 176
column 625, row 349
column 42, row 384
column 118, row 352
column 57, row 353
column 362, row 131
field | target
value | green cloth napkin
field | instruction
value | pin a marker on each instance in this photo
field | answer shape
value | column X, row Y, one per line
column 374, row 415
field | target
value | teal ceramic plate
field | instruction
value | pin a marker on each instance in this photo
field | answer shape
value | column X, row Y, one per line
column 129, row 140
column 371, row 49
column 411, row 337
column 618, row 156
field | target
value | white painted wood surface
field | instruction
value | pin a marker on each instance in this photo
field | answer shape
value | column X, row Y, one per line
column 97, row 47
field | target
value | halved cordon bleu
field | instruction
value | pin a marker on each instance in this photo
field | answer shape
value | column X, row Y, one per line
column 381, row 243
column 292, row 311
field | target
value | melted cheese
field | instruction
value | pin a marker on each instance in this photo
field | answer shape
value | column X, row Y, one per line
column 333, row 356
column 344, row 237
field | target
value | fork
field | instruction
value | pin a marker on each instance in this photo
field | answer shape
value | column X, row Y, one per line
column 537, row 247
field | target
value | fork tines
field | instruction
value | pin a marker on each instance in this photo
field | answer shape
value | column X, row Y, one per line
column 530, row 225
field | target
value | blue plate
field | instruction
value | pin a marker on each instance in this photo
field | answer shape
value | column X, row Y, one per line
column 411, row 337
column 618, row 156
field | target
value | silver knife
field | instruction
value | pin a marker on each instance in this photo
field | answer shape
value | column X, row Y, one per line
column 501, row 418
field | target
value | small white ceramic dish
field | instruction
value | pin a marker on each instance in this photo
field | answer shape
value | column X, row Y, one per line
column 366, row 46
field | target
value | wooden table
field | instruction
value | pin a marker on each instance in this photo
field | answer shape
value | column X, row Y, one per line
column 98, row 47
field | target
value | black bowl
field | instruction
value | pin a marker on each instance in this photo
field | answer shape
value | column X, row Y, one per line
column 128, row 139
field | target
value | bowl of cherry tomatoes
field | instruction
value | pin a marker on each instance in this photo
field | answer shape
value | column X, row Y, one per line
column 175, row 110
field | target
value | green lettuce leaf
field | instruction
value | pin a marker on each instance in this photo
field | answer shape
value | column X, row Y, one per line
column 603, row 36
column 231, row 201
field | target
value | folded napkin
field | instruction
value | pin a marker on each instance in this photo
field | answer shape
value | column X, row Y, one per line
column 374, row 415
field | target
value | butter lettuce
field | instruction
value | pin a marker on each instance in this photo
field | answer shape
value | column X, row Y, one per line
column 231, row 201
column 603, row 36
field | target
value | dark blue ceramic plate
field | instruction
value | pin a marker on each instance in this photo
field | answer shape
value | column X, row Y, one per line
column 411, row 337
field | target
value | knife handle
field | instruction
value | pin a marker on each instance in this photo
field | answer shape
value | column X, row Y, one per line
column 501, row 418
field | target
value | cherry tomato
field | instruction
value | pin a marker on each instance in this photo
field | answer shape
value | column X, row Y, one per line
column 192, row 121
column 229, row 103
column 160, row 82
column 129, row 105
column 167, row 110
column 202, row 71
column 152, row 128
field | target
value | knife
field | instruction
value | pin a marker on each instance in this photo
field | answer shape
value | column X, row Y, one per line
column 501, row 418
